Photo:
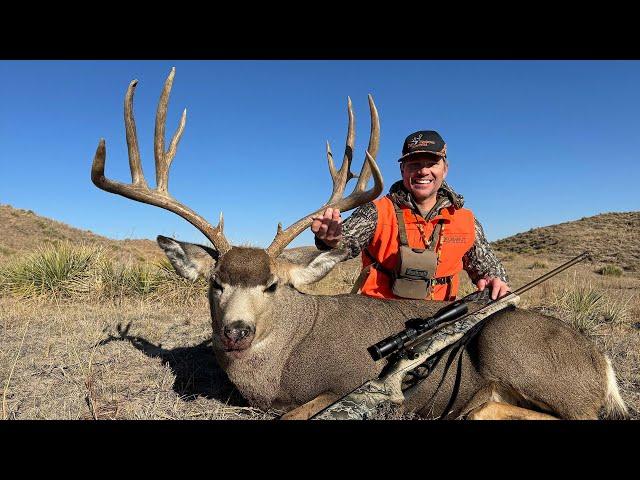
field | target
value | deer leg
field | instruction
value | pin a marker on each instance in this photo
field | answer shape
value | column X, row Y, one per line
column 497, row 402
column 306, row 411
column 503, row 411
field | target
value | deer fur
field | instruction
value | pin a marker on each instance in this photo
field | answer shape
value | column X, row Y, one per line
column 304, row 346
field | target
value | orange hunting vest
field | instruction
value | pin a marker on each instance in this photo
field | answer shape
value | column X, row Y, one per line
column 456, row 238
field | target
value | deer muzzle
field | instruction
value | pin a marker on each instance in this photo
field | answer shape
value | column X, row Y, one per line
column 238, row 335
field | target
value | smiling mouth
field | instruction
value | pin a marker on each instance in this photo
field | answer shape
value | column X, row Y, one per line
column 422, row 181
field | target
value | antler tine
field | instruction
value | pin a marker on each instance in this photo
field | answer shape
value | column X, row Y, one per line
column 164, row 159
column 342, row 176
column 358, row 197
column 139, row 190
column 372, row 149
column 137, row 177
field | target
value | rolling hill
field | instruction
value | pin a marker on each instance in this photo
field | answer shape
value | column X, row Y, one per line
column 612, row 238
column 23, row 231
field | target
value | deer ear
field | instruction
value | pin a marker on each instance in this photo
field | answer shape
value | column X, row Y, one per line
column 299, row 275
column 190, row 260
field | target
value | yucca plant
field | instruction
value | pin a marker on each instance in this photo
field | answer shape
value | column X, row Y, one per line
column 581, row 304
column 55, row 270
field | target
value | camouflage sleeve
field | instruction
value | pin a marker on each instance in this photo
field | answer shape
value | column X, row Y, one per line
column 357, row 230
column 480, row 261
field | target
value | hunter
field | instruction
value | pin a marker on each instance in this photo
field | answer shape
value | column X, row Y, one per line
column 417, row 239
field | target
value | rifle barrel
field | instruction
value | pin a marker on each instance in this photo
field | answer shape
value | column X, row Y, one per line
column 553, row 272
column 416, row 340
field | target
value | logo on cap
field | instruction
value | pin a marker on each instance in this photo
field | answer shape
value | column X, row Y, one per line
column 418, row 142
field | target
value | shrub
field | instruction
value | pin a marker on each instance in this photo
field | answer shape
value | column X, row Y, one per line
column 537, row 264
column 610, row 270
column 616, row 312
column 58, row 271
column 115, row 280
column 584, row 307
column 581, row 305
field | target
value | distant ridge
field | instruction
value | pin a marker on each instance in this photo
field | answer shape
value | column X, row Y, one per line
column 24, row 231
column 612, row 238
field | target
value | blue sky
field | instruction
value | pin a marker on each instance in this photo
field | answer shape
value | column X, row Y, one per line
column 530, row 143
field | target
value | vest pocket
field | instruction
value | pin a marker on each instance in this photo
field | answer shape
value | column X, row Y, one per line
column 407, row 288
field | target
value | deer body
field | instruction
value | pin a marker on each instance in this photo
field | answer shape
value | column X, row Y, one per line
column 310, row 353
column 282, row 348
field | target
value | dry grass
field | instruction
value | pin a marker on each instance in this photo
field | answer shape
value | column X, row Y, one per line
column 612, row 239
column 141, row 360
column 140, row 357
column 83, row 336
column 69, row 272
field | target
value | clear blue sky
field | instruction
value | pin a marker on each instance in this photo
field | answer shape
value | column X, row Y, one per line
column 530, row 143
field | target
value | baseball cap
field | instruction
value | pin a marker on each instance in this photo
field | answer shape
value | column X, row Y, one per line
column 424, row 141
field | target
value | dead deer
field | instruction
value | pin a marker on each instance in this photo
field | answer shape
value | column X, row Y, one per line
column 285, row 349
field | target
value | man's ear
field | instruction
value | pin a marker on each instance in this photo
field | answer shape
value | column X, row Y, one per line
column 299, row 275
column 189, row 260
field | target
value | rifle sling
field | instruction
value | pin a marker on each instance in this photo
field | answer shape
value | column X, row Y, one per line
column 455, row 348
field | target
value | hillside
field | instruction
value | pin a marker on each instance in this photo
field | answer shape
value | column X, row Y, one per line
column 23, row 231
column 612, row 238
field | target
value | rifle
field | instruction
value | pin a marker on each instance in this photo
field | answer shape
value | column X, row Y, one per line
column 417, row 346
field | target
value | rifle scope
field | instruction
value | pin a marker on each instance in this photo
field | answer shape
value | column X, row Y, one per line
column 415, row 326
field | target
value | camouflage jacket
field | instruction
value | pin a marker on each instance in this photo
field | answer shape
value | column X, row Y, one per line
column 359, row 228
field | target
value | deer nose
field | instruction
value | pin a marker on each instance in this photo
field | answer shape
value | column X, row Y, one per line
column 238, row 330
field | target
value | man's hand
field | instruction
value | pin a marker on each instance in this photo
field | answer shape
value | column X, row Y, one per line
column 498, row 287
column 328, row 227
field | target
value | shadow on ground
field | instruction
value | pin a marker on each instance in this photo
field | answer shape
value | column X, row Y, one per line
column 196, row 369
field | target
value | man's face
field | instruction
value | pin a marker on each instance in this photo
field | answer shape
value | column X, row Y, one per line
column 423, row 174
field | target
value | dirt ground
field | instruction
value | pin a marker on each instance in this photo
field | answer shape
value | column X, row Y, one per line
column 144, row 360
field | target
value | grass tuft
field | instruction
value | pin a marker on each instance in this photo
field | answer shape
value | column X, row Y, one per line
column 63, row 271
column 537, row 264
column 55, row 271
column 581, row 306
column 616, row 311
column 610, row 271
column 585, row 307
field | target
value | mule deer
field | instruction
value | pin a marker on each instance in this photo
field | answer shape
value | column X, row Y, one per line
column 283, row 349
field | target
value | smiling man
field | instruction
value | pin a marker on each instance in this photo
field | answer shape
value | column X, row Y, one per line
column 418, row 238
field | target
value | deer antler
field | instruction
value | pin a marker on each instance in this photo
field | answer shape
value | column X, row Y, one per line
column 139, row 190
column 358, row 196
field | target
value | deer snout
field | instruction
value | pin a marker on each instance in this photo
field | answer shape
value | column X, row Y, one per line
column 238, row 334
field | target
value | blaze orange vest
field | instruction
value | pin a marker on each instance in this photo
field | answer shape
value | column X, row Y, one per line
column 456, row 238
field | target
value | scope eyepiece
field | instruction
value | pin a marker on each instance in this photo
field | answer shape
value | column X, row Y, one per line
column 391, row 344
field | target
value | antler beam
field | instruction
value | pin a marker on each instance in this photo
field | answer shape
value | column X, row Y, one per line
column 358, row 196
column 139, row 190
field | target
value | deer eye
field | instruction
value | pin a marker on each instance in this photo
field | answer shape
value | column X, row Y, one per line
column 272, row 288
column 216, row 285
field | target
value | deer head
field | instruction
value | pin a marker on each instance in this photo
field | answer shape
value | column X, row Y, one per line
column 243, row 282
